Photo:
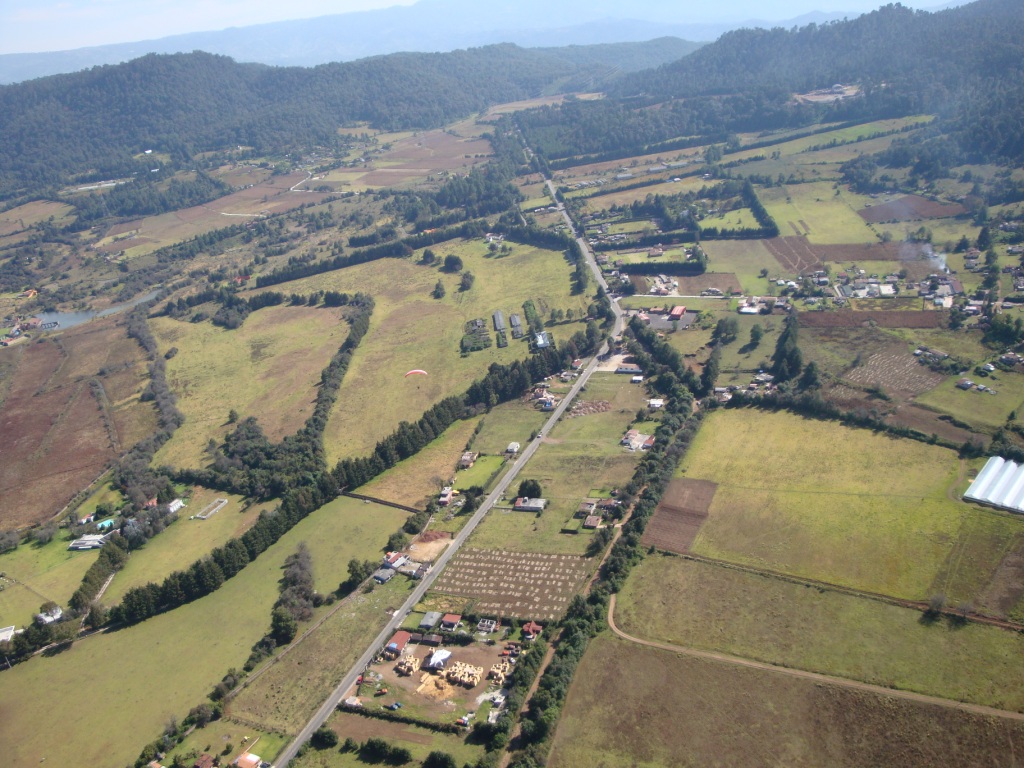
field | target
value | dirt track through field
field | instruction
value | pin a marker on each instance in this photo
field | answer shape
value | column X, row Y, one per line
column 817, row 677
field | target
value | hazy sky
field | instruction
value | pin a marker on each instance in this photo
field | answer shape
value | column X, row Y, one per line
column 54, row 25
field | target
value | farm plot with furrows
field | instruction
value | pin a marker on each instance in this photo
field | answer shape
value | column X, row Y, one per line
column 527, row 586
column 794, row 254
column 882, row 318
column 677, row 520
column 853, row 252
column 910, row 208
column 895, row 370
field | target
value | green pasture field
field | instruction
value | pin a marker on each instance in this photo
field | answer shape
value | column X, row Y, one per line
column 745, row 258
column 865, row 510
column 696, row 304
column 288, row 693
column 182, row 542
column 850, row 134
column 631, row 705
column 670, row 256
column 410, row 330
column 982, row 410
column 579, row 455
column 627, row 196
column 739, row 354
column 215, row 737
column 417, row 479
column 180, row 654
column 269, row 368
column 48, row 572
column 419, row 741
column 739, row 218
column 31, row 214
column 829, row 217
column 629, row 227
column 791, row 625
column 480, row 473
column 512, row 422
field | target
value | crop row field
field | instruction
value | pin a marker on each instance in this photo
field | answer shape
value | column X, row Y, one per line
column 791, row 625
column 866, row 511
column 501, row 583
column 633, row 705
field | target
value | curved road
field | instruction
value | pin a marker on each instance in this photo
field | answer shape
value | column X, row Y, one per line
column 816, row 677
column 417, row 594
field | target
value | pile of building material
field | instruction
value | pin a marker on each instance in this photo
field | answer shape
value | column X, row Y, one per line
column 500, row 671
column 465, row 674
column 407, row 665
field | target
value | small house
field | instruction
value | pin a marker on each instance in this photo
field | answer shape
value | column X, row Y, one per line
column 637, row 380
column 513, row 449
column 531, row 630
column 468, row 459
column 383, row 575
column 446, row 496
column 450, row 622
column 487, row 625
column 432, row 640
column 629, row 368
column 90, row 541
column 586, row 508
column 394, row 560
column 175, row 505
column 204, row 761
column 964, row 384
column 430, row 620
column 656, row 403
column 592, row 521
column 50, row 616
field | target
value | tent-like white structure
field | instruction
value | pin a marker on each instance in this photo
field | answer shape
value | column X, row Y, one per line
column 999, row 484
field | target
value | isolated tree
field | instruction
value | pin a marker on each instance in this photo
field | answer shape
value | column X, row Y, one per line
column 452, row 263
column 324, row 738
column 429, row 257
column 787, row 361
column 438, row 290
column 984, row 241
column 710, row 373
column 437, row 759
column 530, row 489
column 810, row 378
column 726, row 331
column 756, row 334
column 397, row 540
column 467, row 281
column 232, row 416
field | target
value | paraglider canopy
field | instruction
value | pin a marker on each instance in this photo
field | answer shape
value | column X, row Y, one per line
column 416, row 371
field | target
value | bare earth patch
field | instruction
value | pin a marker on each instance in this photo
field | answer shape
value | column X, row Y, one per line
column 883, row 318
column 895, row 370
column 677, row 520
column 909, row 208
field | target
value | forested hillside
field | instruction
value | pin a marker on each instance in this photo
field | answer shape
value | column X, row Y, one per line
column 96, row 121
column 965, row 64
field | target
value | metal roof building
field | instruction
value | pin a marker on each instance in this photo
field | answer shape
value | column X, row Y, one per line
column 1000, row 484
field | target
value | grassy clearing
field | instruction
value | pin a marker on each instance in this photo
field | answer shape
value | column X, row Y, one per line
column 836, row 634
column 982, row 410
column 635, row 706
column 868, row 511
column 183, row 542
column 420, row 477
column 512, row 422
column 268, row 368
column 285, row 696
column 745, row 258
column 419, row 741
column 579, row 455
column 218, row 735
column 480, row 473
column 740, row 218
column 411, row 330
column 49, row 572
column 817, row 210
column 180, row 654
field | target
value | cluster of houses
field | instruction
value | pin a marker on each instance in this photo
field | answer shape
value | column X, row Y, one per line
column 245, row 760
column 21, row 327
column 636, row 441
column 593, row 511
column 761, row 382
column 762, row 305
column 397, row 562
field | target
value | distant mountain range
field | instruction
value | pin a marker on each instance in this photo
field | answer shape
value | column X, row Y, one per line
column 427, row 26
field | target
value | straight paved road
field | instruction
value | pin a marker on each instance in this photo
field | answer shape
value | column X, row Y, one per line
column 417, row 594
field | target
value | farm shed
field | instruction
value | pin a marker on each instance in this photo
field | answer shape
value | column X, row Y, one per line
column 530, row 505
column 430, row 620
column 629, row 368
column 397, row 644
column 383, row 575
column 90, row 541
column 499, row 321
column 7, row 633
column 513, row 448
column 999, row 484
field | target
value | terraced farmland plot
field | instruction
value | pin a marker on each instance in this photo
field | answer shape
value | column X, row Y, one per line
column 895, row 371
column 526, row 586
